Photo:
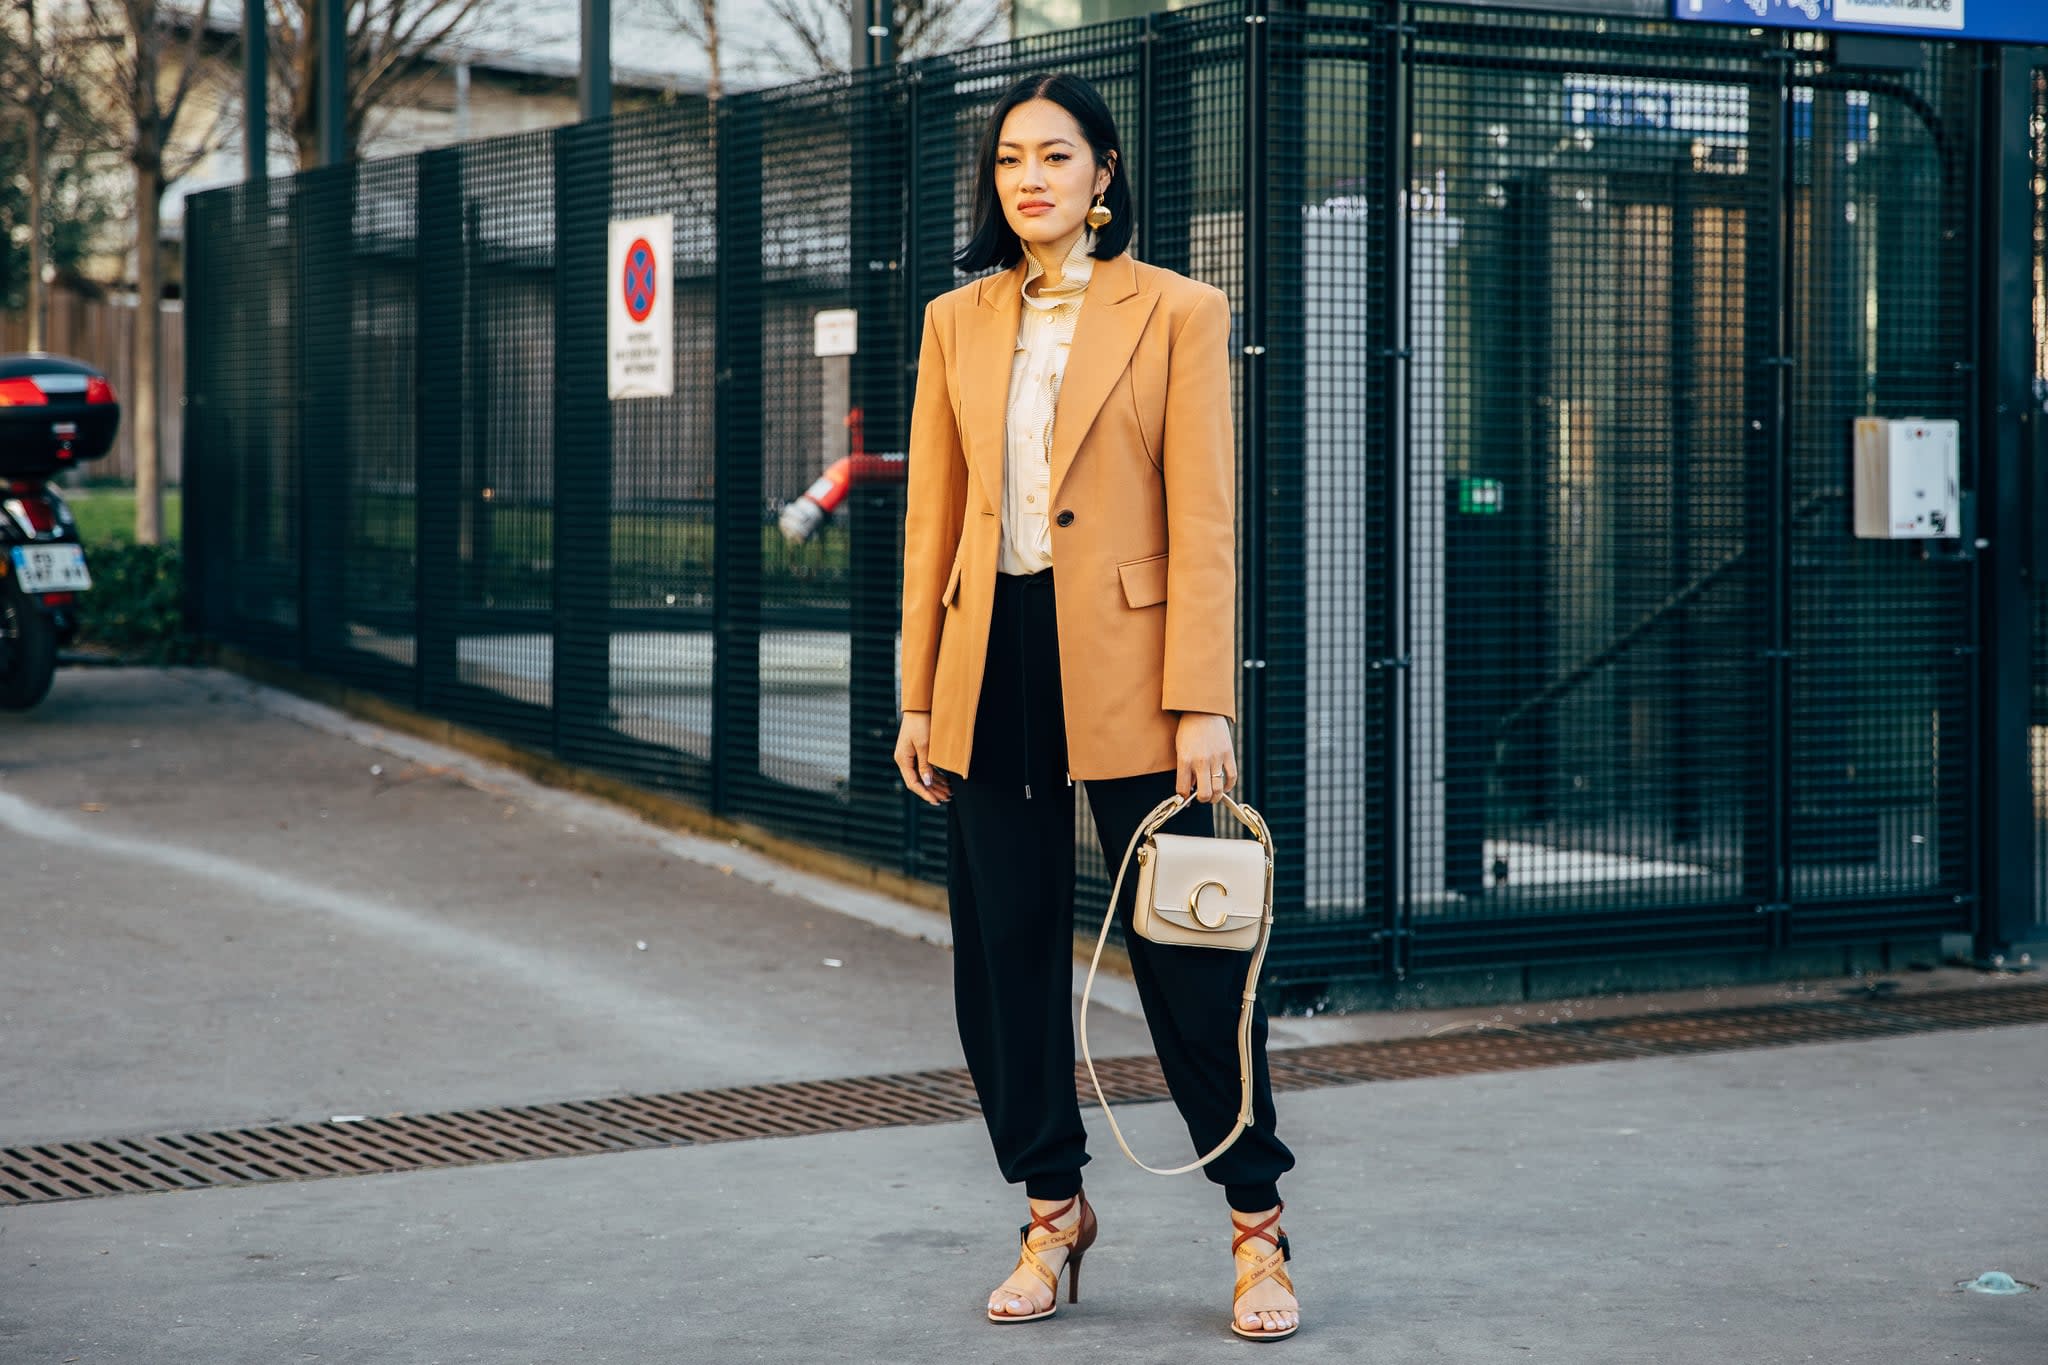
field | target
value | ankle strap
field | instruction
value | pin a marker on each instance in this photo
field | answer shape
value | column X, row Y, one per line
column 1044, row 1220
column 1246, row 1232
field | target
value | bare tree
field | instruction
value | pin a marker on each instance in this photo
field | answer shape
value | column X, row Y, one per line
column 150, row 59
column 38, row 56
column 388, row 62
column 819, row 35
column 695, row 21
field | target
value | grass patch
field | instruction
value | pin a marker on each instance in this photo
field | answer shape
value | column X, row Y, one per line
column 106, row 516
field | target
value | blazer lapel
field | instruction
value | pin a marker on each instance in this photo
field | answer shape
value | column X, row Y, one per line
column 1113, row 316
column 986, row 352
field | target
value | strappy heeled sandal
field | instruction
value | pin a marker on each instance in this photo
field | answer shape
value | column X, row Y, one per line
column 1269, row 1265
column 1079, row 1237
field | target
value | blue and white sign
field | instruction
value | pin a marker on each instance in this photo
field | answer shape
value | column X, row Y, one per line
column 1994, row 21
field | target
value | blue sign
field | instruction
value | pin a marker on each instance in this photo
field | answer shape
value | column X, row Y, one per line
column 1991, row 21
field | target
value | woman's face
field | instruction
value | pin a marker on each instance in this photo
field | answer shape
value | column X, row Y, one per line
column 1046, row 175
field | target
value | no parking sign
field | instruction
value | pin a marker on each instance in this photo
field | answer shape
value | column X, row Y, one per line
column 640, row 340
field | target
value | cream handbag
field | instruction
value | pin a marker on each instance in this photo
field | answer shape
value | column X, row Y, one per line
column 1198, row 892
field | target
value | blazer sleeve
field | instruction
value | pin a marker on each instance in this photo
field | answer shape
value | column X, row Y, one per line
column 1199, row 463
column 934, row 505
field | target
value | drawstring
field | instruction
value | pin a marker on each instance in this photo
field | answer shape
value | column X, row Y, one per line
column 1024, row 676
column 1017, row 603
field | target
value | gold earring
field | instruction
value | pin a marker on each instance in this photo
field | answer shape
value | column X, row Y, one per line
column 1099, row 216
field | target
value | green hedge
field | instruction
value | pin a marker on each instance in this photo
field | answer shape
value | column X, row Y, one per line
column 136, row 607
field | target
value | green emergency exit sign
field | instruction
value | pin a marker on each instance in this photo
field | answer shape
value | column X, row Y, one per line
column 1479, row 497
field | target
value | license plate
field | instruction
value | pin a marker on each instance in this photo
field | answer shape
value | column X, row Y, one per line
column 51, row 568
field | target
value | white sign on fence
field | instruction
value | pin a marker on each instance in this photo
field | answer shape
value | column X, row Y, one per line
column 835, row 331
column 640, row 339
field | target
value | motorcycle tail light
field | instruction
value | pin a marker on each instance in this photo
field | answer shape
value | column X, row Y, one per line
column 98, row 390
column 32, row 514
column 21, row 392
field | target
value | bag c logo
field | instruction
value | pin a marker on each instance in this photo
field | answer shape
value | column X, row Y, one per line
column 1195, row 907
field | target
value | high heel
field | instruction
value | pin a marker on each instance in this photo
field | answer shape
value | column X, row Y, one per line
column 1268, row 1265
column 1077, row 1238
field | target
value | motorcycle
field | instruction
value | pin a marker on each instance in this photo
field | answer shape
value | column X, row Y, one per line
column 54, row 414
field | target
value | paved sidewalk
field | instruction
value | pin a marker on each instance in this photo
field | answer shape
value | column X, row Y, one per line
column 258, row 927
column 218, row 912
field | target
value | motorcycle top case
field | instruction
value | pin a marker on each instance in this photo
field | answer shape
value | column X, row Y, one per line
column 54, row 413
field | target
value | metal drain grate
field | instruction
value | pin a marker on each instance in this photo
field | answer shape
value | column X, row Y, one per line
column 52, row 1171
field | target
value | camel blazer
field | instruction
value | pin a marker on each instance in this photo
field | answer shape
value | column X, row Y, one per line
column 1143, row 494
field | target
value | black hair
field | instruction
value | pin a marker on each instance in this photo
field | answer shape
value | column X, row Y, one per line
column 995, row 242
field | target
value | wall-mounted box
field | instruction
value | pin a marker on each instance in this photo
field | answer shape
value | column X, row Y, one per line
column 1908, row 478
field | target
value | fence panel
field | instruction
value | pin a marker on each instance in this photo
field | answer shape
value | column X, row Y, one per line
column 242, row 429
column 494, row 667
column 1881, row 632
column 1589, row 293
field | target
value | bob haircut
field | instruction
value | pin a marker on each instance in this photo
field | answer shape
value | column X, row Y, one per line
column 995, row 242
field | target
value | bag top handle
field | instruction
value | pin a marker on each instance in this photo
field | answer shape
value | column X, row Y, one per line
column 1246, row 816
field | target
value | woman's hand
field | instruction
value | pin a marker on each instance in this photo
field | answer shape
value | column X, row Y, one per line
column 1203, row 743
column 912, row 742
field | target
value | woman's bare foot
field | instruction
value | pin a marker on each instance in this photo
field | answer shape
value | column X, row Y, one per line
column 1024, row 1293
column 1267, row 1305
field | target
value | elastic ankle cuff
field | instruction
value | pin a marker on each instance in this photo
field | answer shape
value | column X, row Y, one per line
column 1056, row 1186
column 1252, row 1198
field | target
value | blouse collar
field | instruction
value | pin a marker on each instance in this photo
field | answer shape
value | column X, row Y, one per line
column 1074, row 273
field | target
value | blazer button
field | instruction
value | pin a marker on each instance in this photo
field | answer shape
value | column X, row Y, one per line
column 1066, row 517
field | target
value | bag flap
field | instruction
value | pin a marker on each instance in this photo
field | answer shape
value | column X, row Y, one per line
column 1186, row 861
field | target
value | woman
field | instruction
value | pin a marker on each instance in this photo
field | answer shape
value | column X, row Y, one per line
column 1073, row 415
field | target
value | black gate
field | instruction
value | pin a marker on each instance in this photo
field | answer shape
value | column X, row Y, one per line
column 1558, row 646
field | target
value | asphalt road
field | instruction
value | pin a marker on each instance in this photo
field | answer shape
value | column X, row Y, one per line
column 221, row 906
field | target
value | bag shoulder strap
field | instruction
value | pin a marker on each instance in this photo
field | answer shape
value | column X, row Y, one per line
column 1158, row 816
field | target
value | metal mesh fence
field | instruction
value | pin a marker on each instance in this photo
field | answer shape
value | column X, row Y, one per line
column 1589, row 543
column 1548, row 335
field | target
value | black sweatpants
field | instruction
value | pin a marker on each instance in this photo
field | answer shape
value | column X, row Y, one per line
column 1010, row 876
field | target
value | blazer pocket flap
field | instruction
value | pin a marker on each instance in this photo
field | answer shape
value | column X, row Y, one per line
column 952, row 586
column 1144, row 580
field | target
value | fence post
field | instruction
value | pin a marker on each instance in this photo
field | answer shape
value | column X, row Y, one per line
column 441, row 286
column 325, row 208
column 1765, row 843
column 875, row 509
column 1387, row 841
column 193, row 548
column 2012, row 911
column 582, row 521
column 1272, row 440
column 736, row 554
column 1166, row 154
column 929, row 272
